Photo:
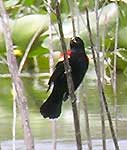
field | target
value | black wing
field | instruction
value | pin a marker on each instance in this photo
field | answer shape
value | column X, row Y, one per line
column 59, row 70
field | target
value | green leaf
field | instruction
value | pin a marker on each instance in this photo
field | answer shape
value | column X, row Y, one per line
column 121, row 59
column 25, row 27
column 122, row 41
column 2, row 43
column 29, row 2
column 122, row 14
column 64, row 7
column 38, row 51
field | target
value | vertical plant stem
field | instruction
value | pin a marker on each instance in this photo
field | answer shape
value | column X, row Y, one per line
column 103, row 51
column 69, row 81
column 21, row 65
column 114, row 73
column 72, row 11
column 54, row 134
column 75, row 10
column 51, row 66
column 87, row 124
column 100, row 75
column 100, row 85
column 71, row 6
column 77, row 14
column 85, row 108
column 14, row 119
column 13, row 69
column 36, row 70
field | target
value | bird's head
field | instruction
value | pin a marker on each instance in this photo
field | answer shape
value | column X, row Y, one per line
column 76, row 44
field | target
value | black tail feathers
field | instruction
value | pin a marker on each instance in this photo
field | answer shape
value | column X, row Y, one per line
column 52, row 107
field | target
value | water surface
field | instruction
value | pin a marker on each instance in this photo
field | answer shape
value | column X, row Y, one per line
column 42, row 128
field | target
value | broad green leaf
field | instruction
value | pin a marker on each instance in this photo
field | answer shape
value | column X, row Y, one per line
column 38, row 51
column 123, row 38
column 43, row 63
column 64, row 6
column 29, row 2
column 25, row 27
column 122, row 15
column 37, row 48
column 121, row 59
column 2, row 43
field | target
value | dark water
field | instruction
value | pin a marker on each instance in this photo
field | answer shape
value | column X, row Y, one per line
column 42, row 128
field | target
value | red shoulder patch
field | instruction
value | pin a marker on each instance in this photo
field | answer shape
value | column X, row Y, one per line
column 68, row 53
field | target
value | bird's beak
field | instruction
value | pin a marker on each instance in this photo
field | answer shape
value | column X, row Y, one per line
column 73, row 39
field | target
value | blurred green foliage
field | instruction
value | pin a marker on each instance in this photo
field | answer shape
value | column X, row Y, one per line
column 29, row 16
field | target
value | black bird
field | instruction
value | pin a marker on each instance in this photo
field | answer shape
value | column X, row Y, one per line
column 79, row 64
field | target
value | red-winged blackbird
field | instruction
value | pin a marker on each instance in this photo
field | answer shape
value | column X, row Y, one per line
column 79, row 64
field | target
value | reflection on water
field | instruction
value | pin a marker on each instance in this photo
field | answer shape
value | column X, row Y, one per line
column 41, row 128
column 63, row 145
